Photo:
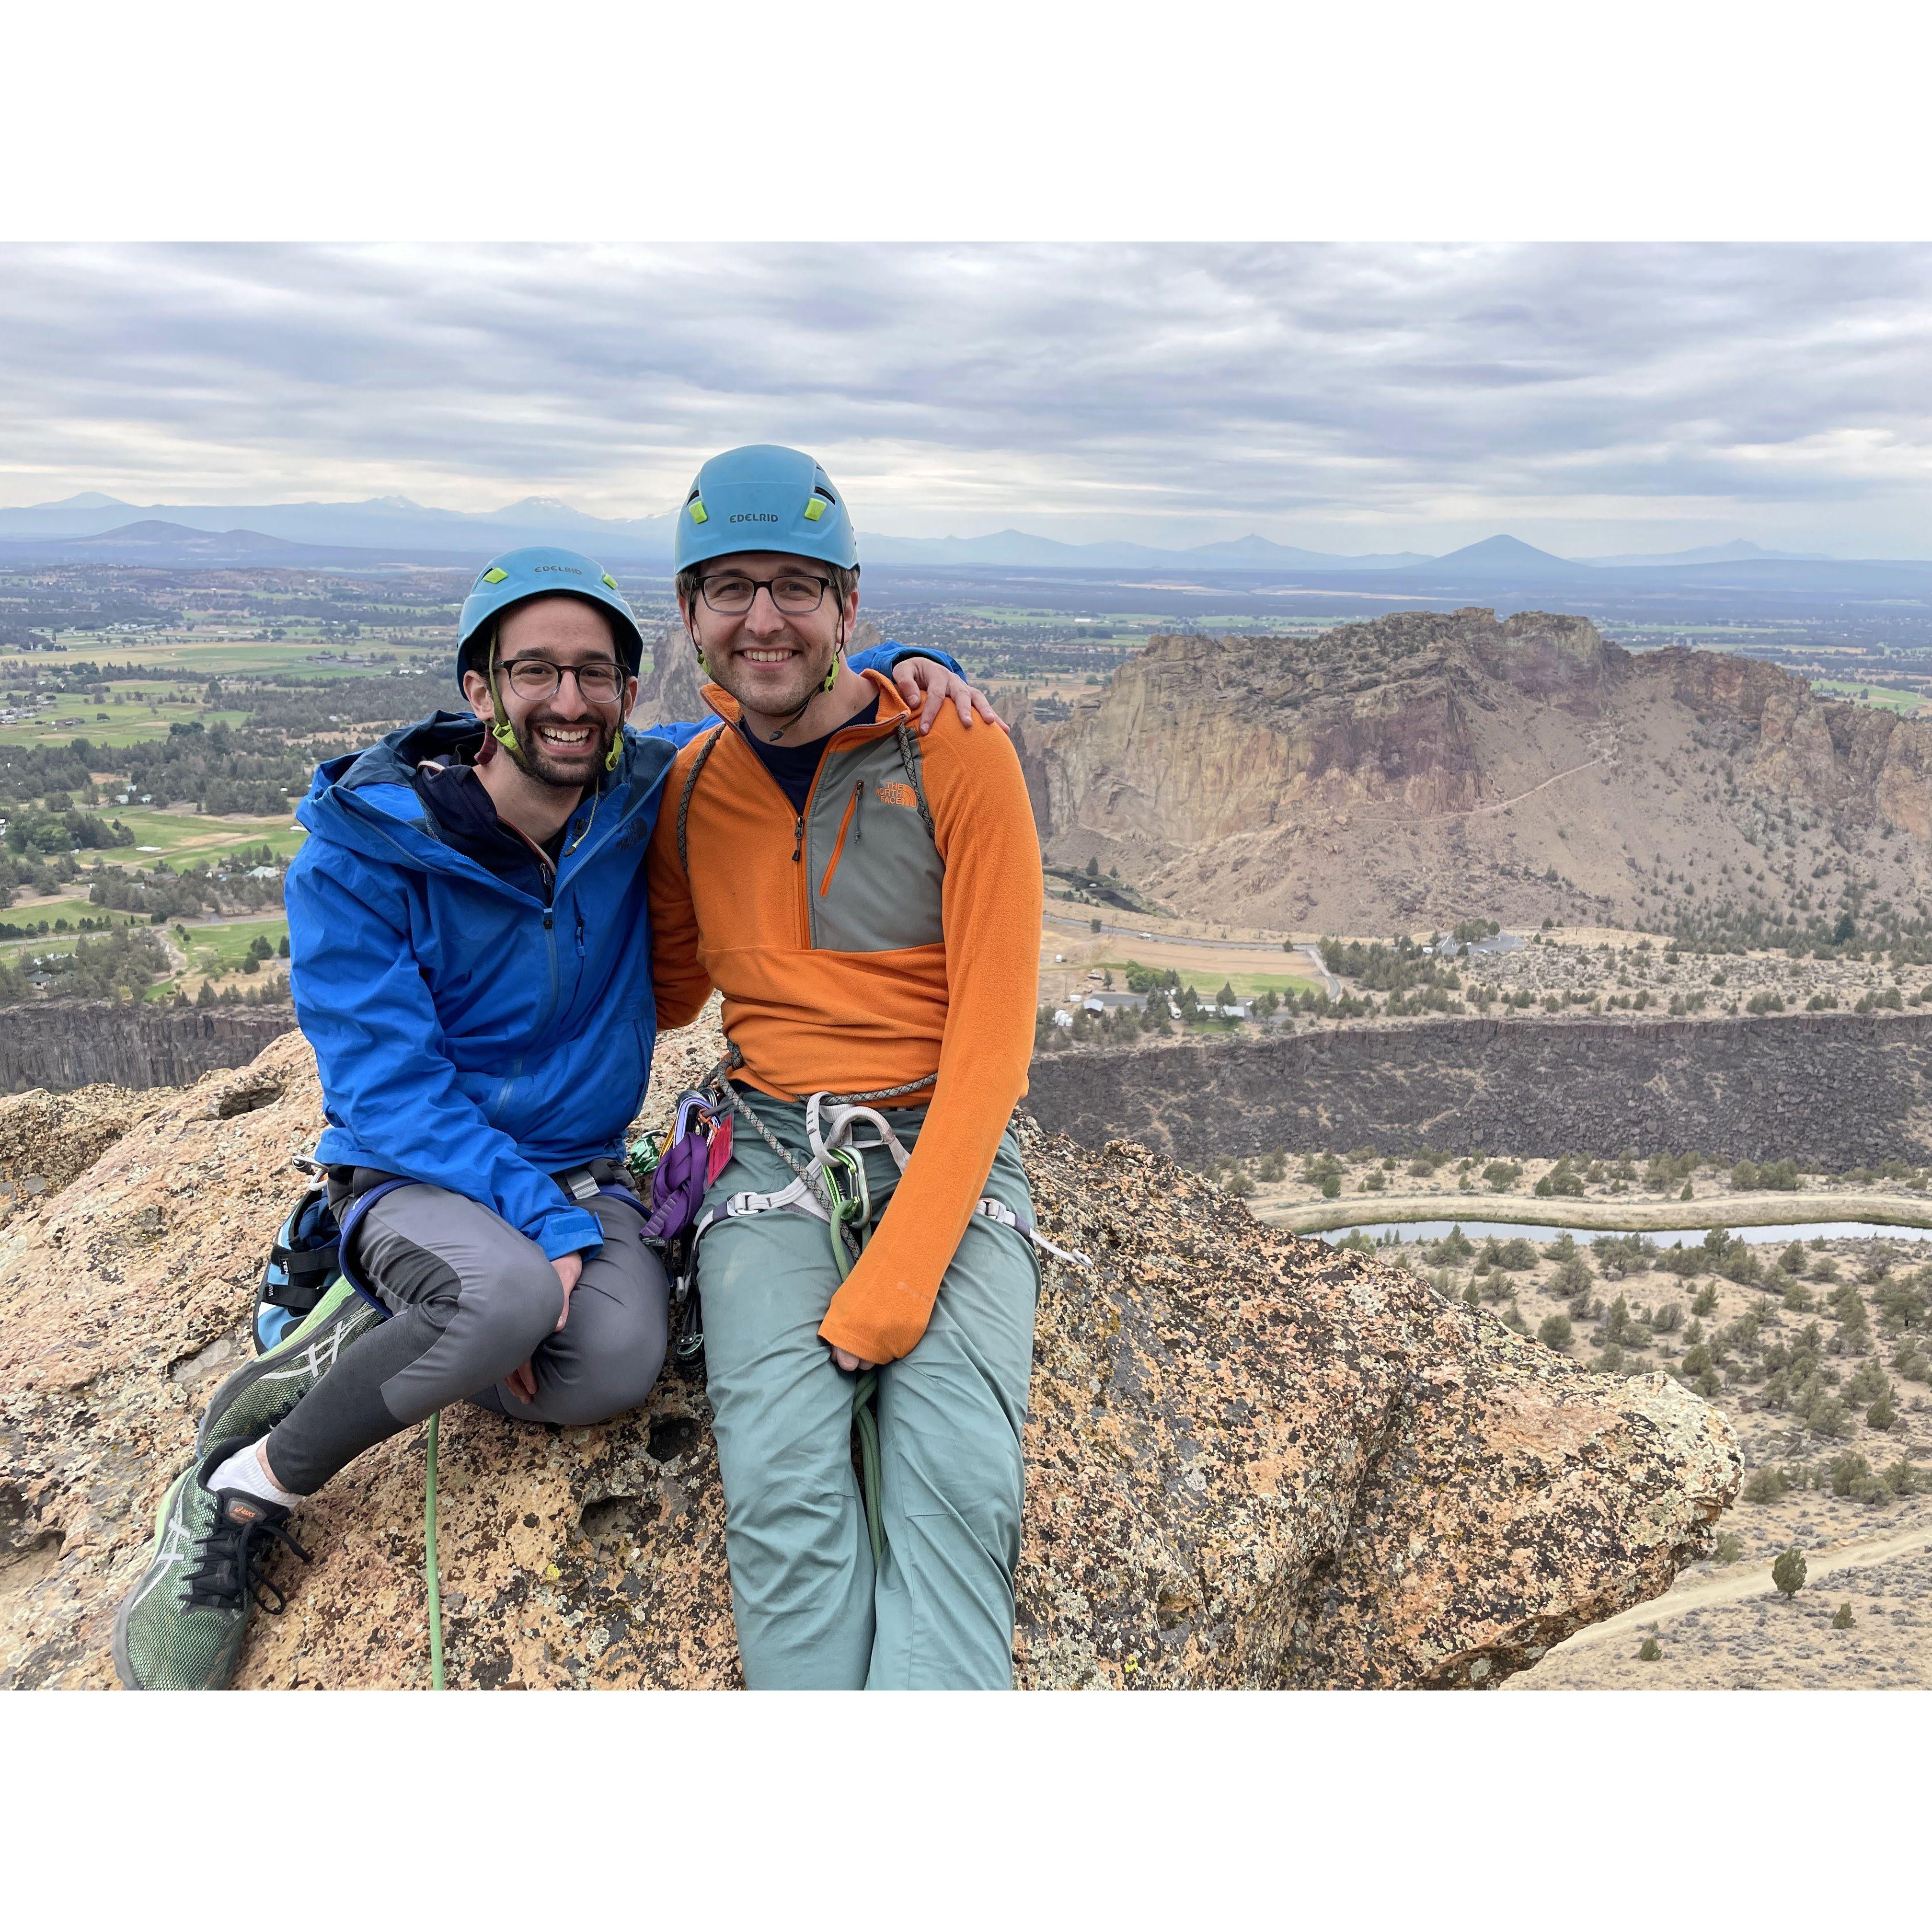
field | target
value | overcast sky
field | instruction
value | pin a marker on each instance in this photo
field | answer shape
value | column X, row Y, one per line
column 1589, row 399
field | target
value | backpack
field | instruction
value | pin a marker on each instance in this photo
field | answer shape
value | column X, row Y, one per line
column 305, row 1262
column 304, row 1265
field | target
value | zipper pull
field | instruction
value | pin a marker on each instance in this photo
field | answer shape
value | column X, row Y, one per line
column 798, row 838
column 546, row 919
column 858, row 816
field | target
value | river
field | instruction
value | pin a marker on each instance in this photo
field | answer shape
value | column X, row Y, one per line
column 1478, row 1231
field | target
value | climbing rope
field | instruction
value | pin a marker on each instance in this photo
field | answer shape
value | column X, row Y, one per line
column 432, row 1569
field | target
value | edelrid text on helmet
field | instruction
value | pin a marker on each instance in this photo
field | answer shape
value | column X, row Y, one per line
column 765, row 497
column 539, row 570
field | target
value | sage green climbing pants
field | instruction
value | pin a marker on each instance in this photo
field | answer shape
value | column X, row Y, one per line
column 812, row 1612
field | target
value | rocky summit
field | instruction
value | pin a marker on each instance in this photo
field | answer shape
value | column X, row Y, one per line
column 1253, row 1460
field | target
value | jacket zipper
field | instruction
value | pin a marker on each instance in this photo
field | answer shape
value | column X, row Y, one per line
column 850, row 820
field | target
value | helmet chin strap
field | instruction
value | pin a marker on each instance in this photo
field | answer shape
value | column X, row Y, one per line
column 830, row 679
column 501, row 729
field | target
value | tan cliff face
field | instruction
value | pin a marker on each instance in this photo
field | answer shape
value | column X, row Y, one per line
column 1427, row 766
column 1252, row 1460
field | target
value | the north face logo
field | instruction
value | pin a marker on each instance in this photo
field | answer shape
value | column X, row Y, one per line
column 891, row 792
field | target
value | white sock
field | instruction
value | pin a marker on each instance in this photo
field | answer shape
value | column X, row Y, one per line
column 243, row 1471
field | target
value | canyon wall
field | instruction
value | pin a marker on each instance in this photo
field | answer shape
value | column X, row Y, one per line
column 60, row 1045
column 1842, row 1090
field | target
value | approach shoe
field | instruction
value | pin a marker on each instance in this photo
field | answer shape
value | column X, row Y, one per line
column 259, row 1393
column 181, row 1627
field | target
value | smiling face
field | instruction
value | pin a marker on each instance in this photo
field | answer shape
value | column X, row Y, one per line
column 565, row 736
column 771, row 661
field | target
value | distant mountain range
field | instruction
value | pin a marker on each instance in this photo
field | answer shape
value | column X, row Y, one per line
column 394, row 531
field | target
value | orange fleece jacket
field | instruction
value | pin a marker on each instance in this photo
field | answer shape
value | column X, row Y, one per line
column 810, row 1020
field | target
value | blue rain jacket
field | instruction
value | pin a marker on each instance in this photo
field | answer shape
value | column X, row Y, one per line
column 468, row 1035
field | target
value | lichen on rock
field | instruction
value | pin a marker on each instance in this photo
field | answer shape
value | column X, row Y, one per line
column 1253, row 1460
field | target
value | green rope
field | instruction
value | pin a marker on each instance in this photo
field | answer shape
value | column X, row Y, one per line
column 849, row 1196
column 864, row 1414
column 431, row 1568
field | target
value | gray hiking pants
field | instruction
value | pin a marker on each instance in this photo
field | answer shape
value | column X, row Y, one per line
column 812, row 1611
column 473, row 1299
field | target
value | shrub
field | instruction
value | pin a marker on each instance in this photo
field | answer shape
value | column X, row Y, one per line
column 1556, row 1331
column 1669, row 1318
column 1787, row 1573
column 1730, row 1547
column 1830, row 1416
column 1573, row 1279
column 1705, row 1301
column 1842, row 1617
column 1331, row 1186
column 1901, row 1478
column 1847, row 1469
column 1649, row 1651
column 1766, row 1485
column 1882, row 1415
column 1517, row 1255
column 1867, row 1384
column 1502, row 1175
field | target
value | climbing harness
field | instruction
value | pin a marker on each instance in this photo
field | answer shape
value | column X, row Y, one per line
column 832, row 1187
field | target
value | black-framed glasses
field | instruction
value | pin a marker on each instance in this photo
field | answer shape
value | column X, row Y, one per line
column 797, row 593
column 600, row 681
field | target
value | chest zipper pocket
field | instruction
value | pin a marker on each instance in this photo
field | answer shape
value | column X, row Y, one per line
column 849, row 822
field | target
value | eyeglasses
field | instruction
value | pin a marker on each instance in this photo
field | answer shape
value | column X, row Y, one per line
column 600, row 681
column 730, row 593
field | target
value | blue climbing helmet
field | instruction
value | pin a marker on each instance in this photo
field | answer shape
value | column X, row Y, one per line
column 516, row 578
column 764, row 497
column 519, row 575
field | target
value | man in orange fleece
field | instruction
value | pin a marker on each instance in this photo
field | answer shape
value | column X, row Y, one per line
column 868, row 900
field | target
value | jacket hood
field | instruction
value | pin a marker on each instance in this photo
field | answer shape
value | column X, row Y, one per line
column 366, row 801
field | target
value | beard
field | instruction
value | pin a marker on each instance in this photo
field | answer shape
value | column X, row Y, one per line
column 572, row 774
column 757, row 688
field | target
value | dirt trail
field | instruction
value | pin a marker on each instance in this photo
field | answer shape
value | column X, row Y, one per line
column 1735, row 1586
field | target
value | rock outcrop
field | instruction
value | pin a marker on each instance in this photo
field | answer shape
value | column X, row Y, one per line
column 1429, row 764
column 1253, row 1460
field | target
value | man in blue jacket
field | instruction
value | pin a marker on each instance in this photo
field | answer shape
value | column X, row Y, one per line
column 470, row 957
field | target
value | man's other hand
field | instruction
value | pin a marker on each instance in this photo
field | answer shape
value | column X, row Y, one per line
column 569, row 1270
column 925, row 684
column 852, row 1364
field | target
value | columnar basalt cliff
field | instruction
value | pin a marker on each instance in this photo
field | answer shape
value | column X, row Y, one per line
column 1252, row 1460
column 1426, row 765
column 61, row 1044
column 1843, row 1090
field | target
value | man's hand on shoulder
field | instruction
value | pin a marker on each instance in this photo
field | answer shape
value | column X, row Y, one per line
column 925, row 684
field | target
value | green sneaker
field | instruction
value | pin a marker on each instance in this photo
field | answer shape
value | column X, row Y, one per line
column 181, row 1627
column 260, row 1393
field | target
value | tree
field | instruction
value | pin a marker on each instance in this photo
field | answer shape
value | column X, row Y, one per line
column 1556, row 1331
column 1788, row 1572
column 1842, row 1617
column 1649, row 1651
column 205, row 997
column 1093, row 867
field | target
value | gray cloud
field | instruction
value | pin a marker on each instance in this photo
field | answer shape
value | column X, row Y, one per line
column 1350, row 396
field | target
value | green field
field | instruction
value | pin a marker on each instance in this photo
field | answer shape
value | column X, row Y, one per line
column 1883, row 698
column 187, row 836
column 221, row 949
column 1206, row 984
